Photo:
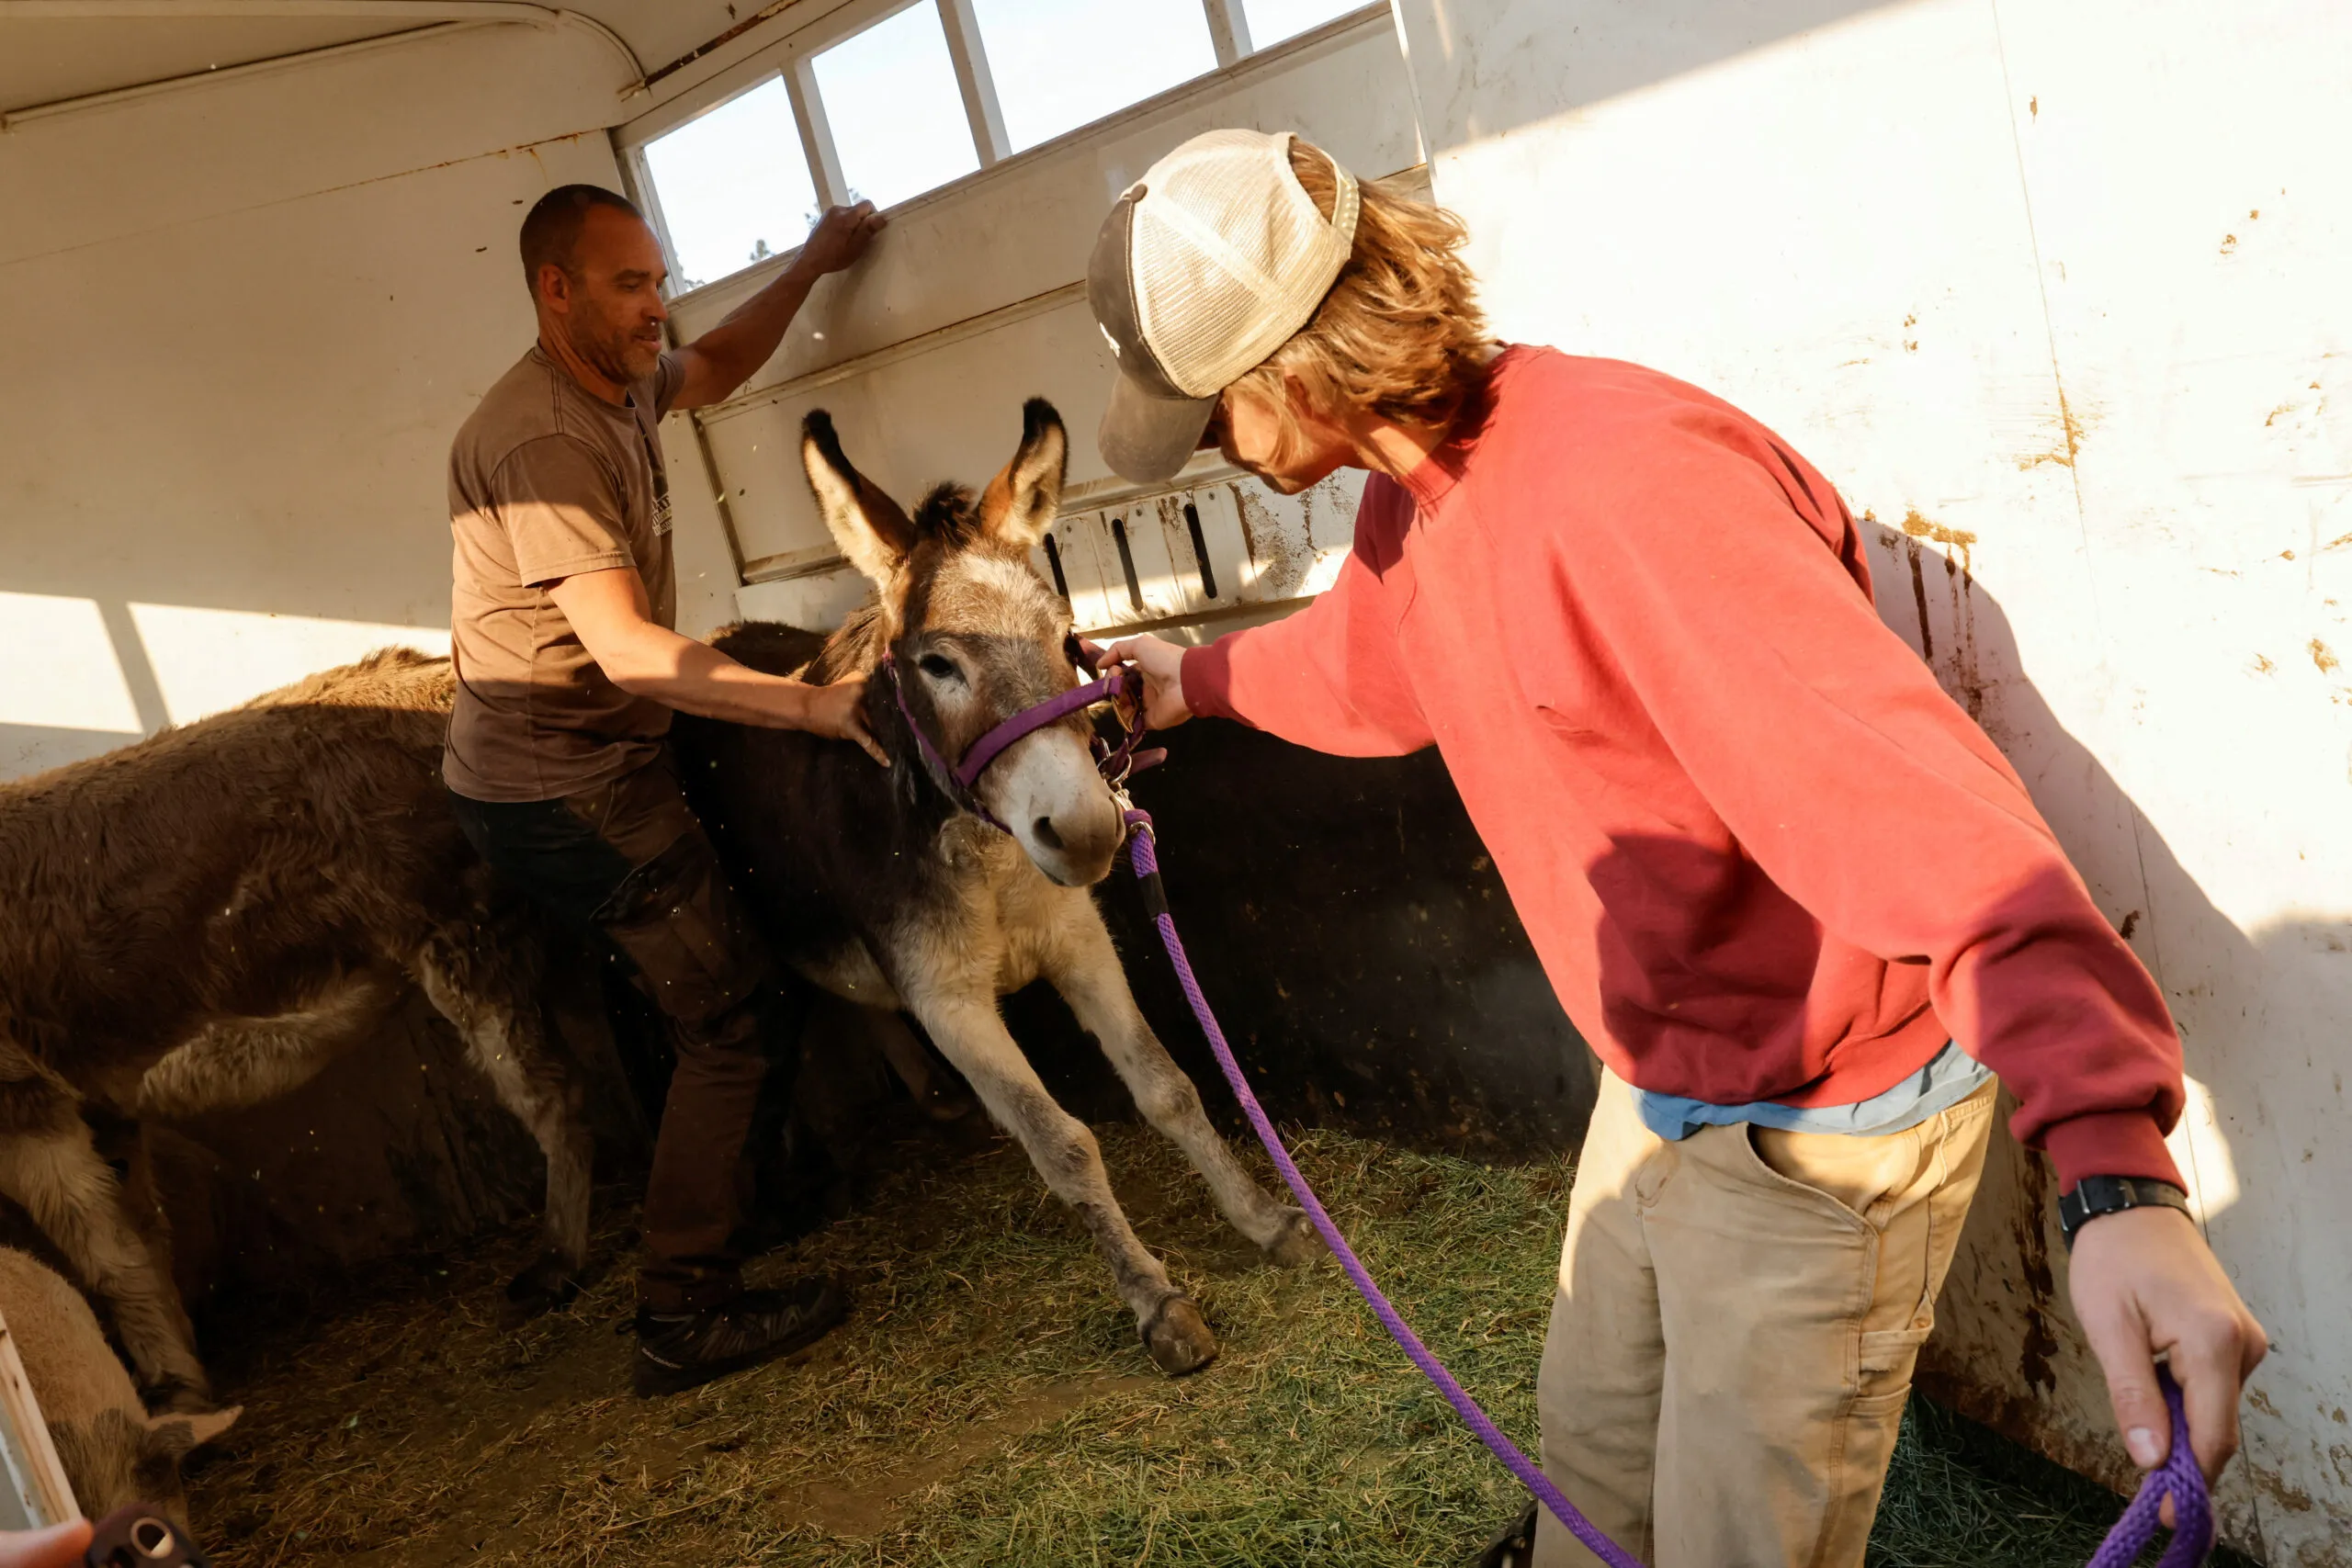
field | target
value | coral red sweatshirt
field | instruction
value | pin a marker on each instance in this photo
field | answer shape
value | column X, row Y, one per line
column 1759, row 851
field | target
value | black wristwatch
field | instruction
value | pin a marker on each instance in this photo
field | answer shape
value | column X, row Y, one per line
column 2097, row 1195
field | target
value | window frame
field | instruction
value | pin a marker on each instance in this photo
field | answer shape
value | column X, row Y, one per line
column 792, row 58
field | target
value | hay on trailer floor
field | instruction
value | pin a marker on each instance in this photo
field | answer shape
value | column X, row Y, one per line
column 987, row 1403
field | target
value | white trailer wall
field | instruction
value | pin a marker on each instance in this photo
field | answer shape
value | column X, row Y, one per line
column 2056, row 291
column 248, row 316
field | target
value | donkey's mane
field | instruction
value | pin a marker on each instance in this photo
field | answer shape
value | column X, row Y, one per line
column 946, row 513
column 855, row 646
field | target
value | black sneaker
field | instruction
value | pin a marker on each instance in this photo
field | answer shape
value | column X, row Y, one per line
column 676, row 1351
column 1515, row 1547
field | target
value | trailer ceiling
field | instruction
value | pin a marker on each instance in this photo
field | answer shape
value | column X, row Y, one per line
column 57, row 49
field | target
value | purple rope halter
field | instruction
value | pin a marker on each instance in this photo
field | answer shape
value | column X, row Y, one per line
column 2179, row 1476
column 961, row 780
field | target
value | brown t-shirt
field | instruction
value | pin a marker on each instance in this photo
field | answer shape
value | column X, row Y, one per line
column 547, row 479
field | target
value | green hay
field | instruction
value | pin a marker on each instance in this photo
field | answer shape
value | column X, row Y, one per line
column 988, row 1402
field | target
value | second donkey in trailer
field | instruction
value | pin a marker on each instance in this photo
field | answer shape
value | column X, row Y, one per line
column 885, row 889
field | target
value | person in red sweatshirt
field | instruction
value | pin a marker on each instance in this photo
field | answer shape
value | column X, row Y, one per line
column 1796, row 900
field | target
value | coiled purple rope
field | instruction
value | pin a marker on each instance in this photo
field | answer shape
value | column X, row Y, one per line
column 2178, row 1475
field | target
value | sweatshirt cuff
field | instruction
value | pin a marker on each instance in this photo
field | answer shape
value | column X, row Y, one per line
column 1207, row 675
column 2109, row 1143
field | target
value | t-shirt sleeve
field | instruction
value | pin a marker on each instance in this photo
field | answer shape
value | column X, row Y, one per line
column 669, row 379
column 559, row 504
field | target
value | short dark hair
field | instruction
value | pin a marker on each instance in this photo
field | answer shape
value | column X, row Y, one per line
column 551, row 228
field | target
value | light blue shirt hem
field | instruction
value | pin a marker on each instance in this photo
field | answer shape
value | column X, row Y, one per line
column 1951, row 1077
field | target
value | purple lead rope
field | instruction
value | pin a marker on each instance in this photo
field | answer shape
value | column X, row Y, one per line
column 2192, row 1530
column 1143, row 854
column 2178, row 1475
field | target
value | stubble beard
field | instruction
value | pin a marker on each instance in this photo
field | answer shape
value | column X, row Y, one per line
column 617, row 354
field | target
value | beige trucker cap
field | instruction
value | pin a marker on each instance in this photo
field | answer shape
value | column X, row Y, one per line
column 1205, row 266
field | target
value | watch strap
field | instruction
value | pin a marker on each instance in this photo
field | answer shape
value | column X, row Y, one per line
column 2097, row 1195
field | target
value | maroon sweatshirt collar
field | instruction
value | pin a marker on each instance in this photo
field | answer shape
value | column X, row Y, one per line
column 1434, row 478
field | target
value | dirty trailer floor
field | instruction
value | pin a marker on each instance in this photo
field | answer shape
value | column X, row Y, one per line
column 987, row 1403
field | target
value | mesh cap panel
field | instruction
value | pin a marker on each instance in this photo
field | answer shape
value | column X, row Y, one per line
column 1231, row 255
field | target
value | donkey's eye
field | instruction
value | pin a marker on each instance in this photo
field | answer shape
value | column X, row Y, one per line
column 940, row 669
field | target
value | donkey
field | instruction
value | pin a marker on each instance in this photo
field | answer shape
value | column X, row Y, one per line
column 886, row 889
column 205, row 920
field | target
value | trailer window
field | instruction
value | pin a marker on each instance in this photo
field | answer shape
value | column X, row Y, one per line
column 1060, row 63
column 891, row 99
column 1271, row 21
column 895, row 110
column 732, row 185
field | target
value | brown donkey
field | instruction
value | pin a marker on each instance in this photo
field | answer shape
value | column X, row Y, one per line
column 207, row 918
column 882, row 889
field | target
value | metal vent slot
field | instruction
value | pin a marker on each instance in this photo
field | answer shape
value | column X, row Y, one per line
column 1127, row 564
column 1200, row 551
column 1054, row 559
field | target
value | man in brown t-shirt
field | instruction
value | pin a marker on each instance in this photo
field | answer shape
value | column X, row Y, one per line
column 568, row 670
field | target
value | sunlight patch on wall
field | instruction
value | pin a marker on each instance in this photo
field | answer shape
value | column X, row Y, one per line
column 206, row 660
column 2201, row 1149
column 62, row 672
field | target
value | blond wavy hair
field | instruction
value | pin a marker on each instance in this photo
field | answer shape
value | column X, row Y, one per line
column 1400, row 333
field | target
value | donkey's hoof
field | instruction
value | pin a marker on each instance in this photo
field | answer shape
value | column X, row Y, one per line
column 1298, row 1243
column 1178, row 1339
column 172, row 1395
column 551, row 1282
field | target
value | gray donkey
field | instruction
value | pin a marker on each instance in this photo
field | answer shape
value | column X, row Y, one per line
column 883, row 888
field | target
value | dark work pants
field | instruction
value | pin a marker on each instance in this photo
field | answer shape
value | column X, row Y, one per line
column 629, row 859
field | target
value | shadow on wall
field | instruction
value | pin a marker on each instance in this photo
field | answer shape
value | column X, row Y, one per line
column 90, row 674
column 2007, row 1350
column 81, row 652
column 1357, row 943
column 1484, row 68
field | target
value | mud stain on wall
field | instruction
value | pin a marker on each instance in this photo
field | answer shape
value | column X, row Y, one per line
column 1959, row 670
column 1280, row 558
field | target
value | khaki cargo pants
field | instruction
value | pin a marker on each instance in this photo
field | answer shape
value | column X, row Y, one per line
column 1737, row 1322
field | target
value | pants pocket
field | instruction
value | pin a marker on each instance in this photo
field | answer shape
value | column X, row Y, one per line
column 1767, row 1167
column 694, row 951
column 1861, row 1175
column 1887, row 1357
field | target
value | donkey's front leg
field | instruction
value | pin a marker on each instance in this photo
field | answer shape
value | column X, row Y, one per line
column 969, row 1030
column 1084, row 967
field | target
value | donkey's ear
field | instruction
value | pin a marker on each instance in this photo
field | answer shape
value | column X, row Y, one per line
column 871, row 530
column 1020, row 502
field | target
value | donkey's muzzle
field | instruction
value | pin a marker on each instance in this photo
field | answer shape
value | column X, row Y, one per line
column 1074, row 843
